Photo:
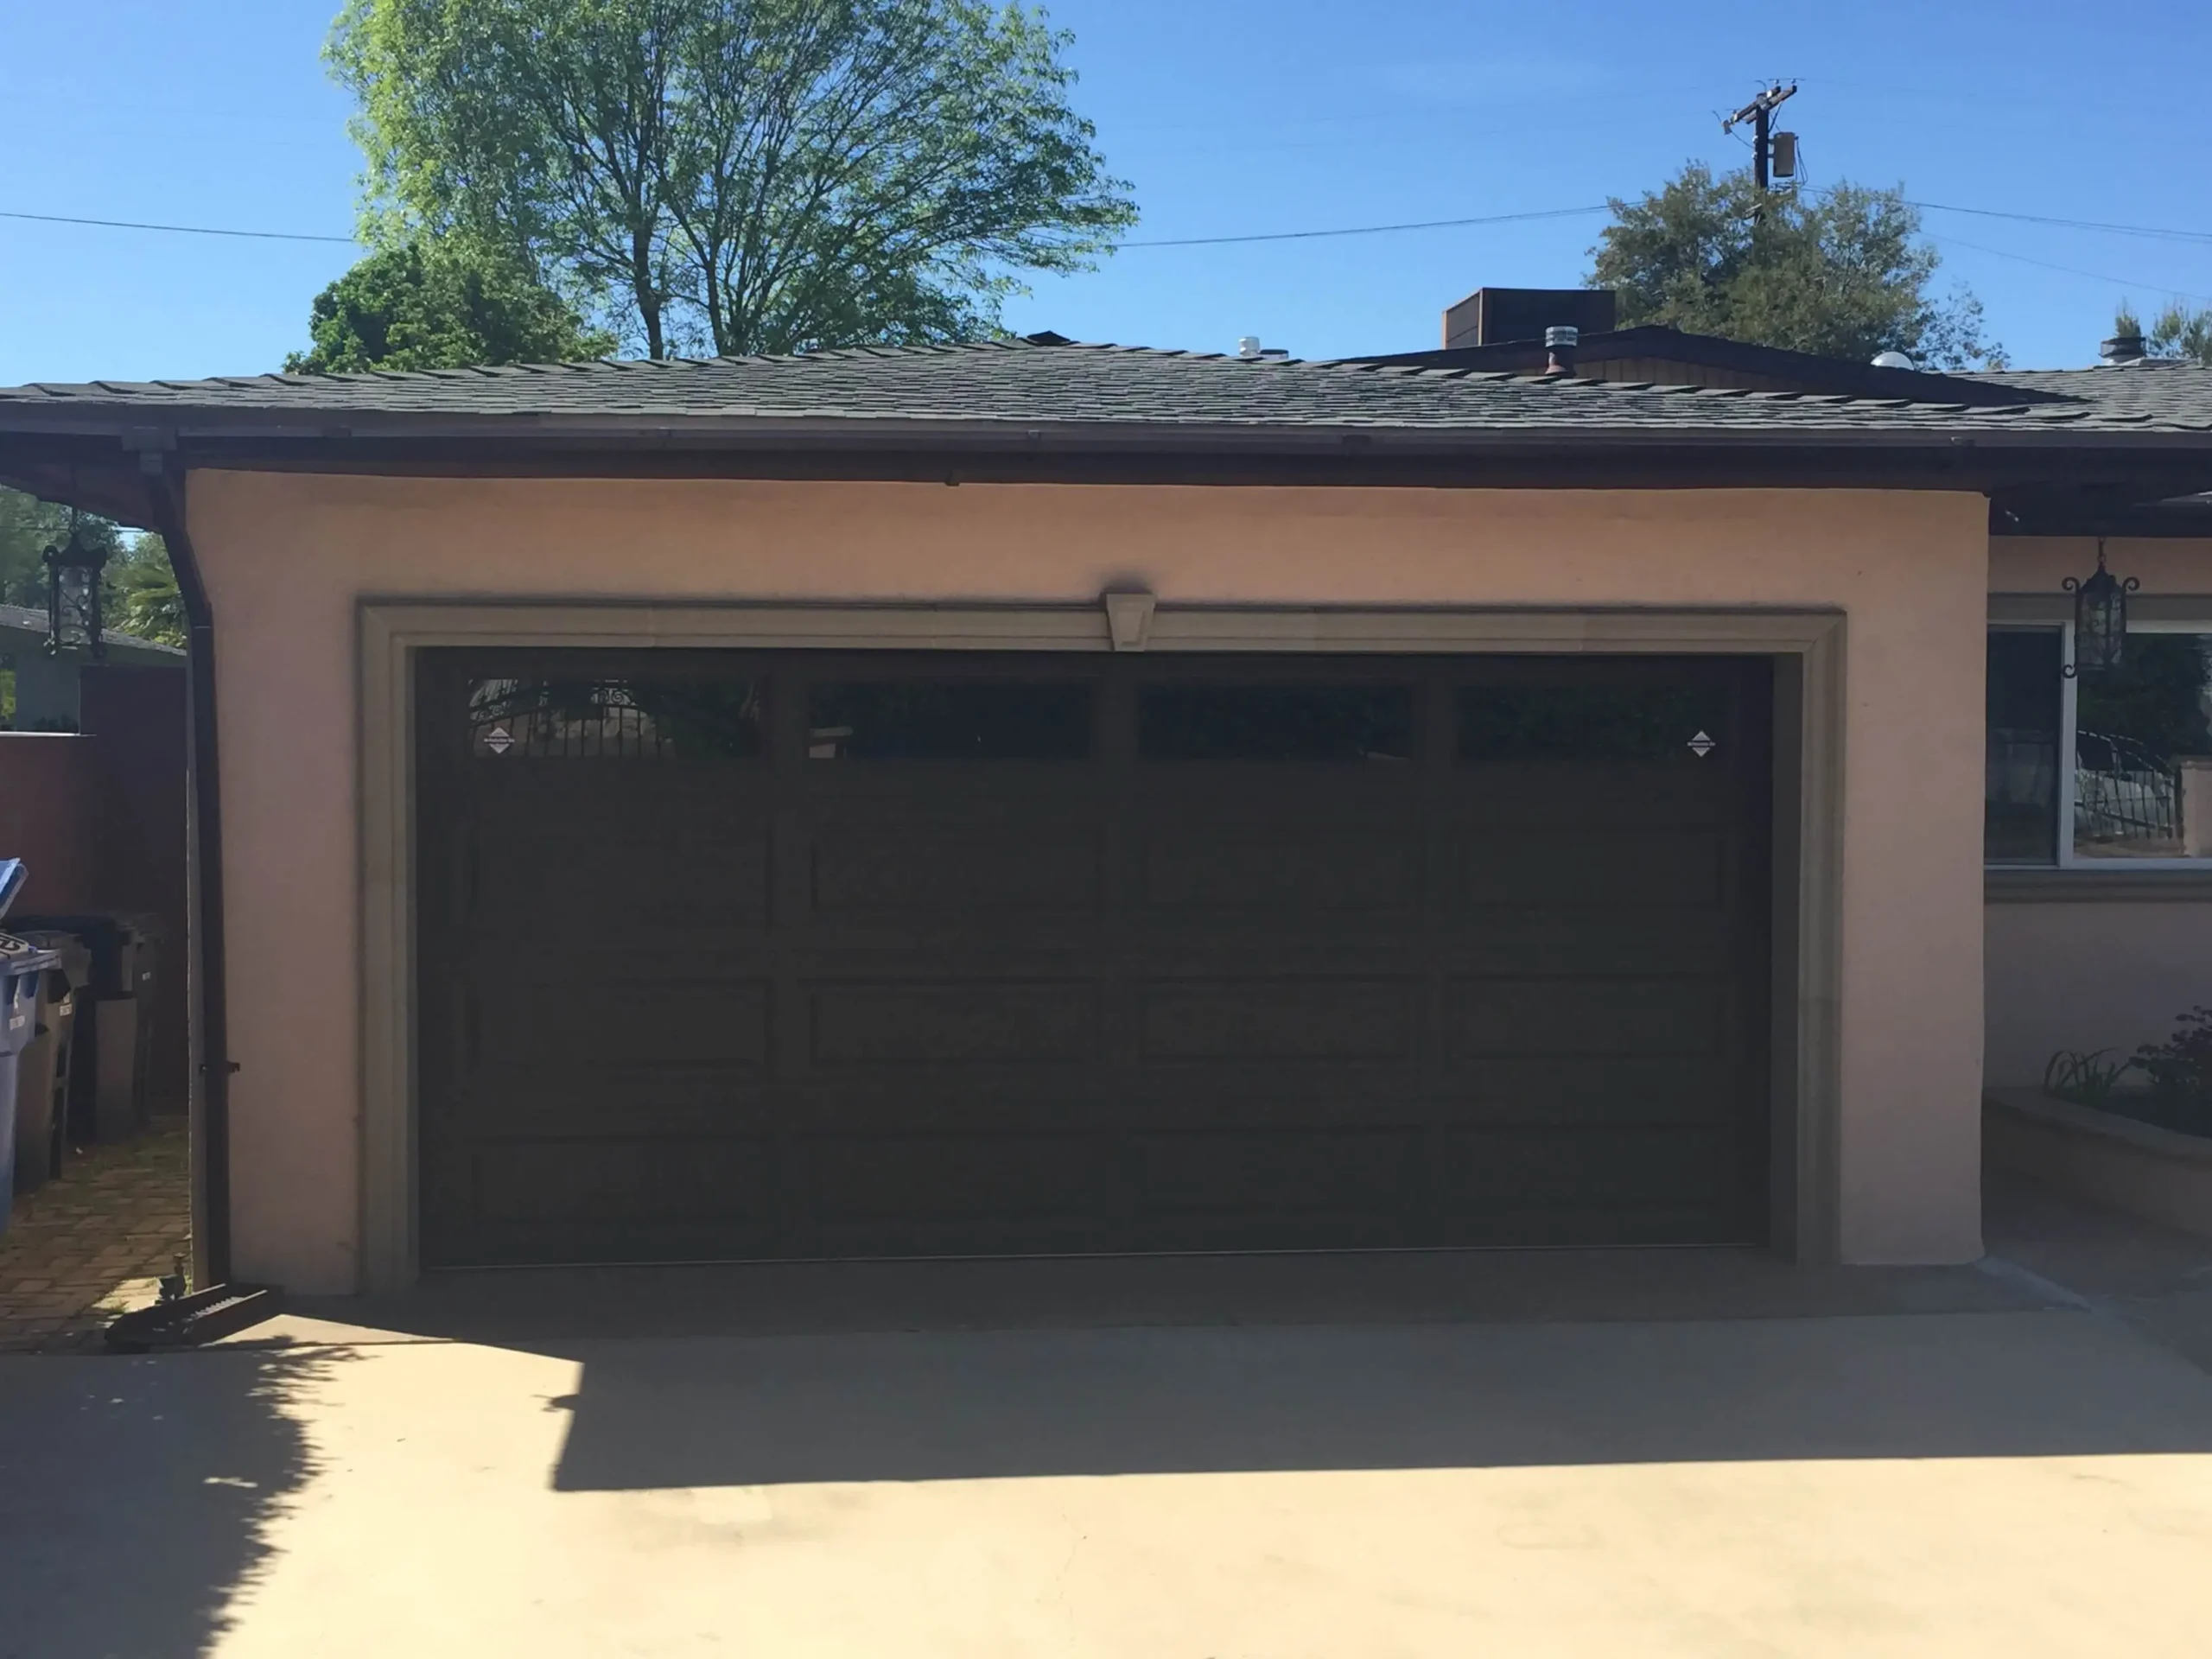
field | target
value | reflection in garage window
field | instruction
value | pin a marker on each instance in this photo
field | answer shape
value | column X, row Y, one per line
column 1275, row 722
column 982, row 720
column 1592, row 722
column 627, row 719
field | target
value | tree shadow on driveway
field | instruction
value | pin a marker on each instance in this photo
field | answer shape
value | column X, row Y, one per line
column 136, row 1495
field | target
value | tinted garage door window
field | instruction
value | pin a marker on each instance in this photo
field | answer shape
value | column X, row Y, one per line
column 729, row 956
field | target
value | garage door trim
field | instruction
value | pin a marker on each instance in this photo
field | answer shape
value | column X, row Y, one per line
column 1807, row 644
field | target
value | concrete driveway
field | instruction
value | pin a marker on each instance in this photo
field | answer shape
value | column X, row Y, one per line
column 2000, row 1471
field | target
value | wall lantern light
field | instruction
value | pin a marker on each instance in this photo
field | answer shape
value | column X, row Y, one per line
column 73, row 570
column 2100, row 618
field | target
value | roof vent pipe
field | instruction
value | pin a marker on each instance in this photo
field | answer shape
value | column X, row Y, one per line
column 1249, row 350
column 1559, row 349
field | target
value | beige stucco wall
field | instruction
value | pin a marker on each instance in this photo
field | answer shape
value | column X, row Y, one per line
column 287, row 557
column 2084, row 976
column 2037, row 564
column 2076, row 974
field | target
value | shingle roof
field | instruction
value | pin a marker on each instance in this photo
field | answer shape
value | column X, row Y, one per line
column 2155, row 392
column 1017, row 384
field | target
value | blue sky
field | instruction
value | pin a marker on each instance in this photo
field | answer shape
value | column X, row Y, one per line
column 1227, row 117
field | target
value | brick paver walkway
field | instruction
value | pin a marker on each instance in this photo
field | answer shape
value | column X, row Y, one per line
column 97, row 1241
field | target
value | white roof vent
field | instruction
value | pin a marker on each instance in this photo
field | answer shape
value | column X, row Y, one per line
column 1894, row 360
column 1249, row 349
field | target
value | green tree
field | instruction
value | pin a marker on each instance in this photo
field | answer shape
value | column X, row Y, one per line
column 754, row 175
column 1839, row 272
column 2179, row 334
column 141, row 598
column 442, row 306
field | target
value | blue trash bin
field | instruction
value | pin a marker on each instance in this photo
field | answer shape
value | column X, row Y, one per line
column 23, row 966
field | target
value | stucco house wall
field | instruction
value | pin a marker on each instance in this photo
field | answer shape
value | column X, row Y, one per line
column 2069, row 969
column 287, row 556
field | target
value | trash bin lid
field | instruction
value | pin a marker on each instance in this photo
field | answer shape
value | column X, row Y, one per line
column 20, row 958
column 13, row 873
column 75, row 955
column 21, row 966
column 103, row 935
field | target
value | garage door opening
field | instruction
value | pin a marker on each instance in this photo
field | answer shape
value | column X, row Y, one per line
column 727, row 955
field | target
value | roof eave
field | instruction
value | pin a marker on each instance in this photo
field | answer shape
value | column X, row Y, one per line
column 141, row 427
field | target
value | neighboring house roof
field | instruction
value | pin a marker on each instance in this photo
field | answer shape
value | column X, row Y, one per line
column 20, row 619
column 1070, row 389
column 1649, row 346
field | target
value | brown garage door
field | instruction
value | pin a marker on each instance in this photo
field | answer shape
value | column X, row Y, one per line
column 729, row 955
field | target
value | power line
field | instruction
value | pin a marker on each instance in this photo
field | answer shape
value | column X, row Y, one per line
column 2166, row 232
column 2066, row 224
column 1364, row 230
column 178, row 230
column 2071, row 270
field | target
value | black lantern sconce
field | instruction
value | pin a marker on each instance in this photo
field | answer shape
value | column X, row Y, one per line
column 2100, row 618
column 74, row 570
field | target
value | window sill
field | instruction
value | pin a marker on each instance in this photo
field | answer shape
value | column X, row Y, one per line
column 2030, row 884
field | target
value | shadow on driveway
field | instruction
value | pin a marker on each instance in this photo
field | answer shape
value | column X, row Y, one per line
column 751, row 1375
column 718, row 1412
column 136, row 1495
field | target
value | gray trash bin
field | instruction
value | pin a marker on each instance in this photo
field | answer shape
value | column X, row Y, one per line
column 22, row 967
column 43, row 1072
column 105, row 1103
column 145, row 929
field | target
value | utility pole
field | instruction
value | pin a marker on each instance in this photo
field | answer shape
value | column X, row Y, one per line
column 1760, row 113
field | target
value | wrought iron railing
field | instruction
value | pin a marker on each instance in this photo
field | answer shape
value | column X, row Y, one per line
column 2124, row 795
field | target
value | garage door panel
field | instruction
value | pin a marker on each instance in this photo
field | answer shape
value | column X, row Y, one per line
column 1688, row 796
column 1576, row 942
column 952, row 1176
column 524, row 878
column 590, row 1021
column 1283, row 1095
column 1007, row 1022
column 1587, row 1016
column 959, row 871
column 1274, row 869
column 603, row 1180
column 529, row 1101
column 1079, row 1099
column 1503, row 1225
column 1592, row 1168
column 1275, row 1019
column 1262, row 1172
column 1590, row 1090
column 1580, row 868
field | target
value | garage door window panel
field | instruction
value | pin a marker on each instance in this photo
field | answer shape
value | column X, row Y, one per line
column 625, row 718
column 949, row 720
column 1211, row 720
column 1671, row 723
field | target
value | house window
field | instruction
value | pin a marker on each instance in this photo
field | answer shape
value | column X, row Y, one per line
column 2143, row 751
column 2106, row 770
column 2020, row 816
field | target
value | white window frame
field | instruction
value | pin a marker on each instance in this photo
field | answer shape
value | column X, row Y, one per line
column 2068, row 697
